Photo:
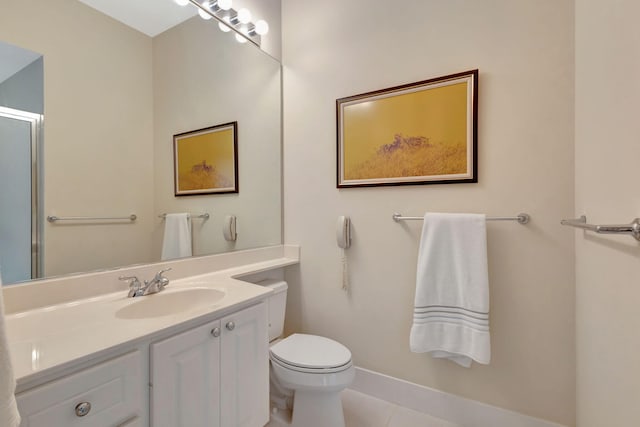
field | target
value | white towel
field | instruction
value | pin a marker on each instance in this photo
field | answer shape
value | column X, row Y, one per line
column 451, row 313
column 9, row 416
column 177, row 236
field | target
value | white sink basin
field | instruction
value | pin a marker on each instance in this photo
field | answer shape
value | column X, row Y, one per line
column 170, row 302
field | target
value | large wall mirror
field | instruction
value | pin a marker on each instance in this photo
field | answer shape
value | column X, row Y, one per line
column 112, row 98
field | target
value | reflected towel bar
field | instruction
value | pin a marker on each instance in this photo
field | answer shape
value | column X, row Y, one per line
column 203, row 216
column 522, row 218
column 632, row 229
column 53, row 218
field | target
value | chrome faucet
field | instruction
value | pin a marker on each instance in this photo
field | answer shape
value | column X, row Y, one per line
column 158, row 283
column 155, row 285
column 135, row 288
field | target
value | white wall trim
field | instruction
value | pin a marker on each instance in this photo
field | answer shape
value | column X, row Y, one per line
column 449, row 407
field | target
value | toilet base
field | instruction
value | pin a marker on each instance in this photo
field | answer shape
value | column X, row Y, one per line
column 317, row 409
column 280, row 417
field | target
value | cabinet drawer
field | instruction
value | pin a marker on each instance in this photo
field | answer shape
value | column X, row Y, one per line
column 113, row 390
column 134, row 422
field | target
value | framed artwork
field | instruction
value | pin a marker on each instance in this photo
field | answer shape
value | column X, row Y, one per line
column 206, row 160
column 419, row 133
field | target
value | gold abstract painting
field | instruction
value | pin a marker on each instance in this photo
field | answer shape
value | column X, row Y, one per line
column 421, row 133
column 206, row 160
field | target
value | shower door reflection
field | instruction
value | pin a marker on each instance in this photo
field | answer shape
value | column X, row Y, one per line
column 19, row 236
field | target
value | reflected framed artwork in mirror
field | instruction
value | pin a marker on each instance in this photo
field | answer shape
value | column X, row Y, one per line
column 206, row 160
column 419, row 133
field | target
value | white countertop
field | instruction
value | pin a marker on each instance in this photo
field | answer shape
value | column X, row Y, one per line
column 55, row 337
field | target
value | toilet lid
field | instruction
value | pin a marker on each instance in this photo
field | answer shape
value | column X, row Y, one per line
column 311, row 351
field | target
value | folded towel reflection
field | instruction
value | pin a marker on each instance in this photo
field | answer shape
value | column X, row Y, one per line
column 9, row 416
column 451, row 308
column 177, row 236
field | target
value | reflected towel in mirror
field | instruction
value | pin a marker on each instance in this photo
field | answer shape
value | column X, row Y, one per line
column 177, row 236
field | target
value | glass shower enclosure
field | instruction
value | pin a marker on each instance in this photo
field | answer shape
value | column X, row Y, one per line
column 20, row 139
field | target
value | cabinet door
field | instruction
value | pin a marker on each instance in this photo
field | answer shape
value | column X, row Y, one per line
column 185, row 379
column 245, row 368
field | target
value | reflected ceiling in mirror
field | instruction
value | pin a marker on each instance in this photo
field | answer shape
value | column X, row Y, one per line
column 114, row 98
column 151, row 17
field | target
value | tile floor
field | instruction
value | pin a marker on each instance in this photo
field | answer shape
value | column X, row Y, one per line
column 362, row 410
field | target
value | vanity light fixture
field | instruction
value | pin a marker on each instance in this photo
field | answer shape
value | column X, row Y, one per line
column 261, row 27
column 244, row 16
column 225, row 4
column 229, row 19
column 225, row 28
column 203, row 14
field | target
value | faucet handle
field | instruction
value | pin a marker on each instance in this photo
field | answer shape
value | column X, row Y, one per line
column 161, row 272
column 134, row 284
column 161, row 280
column 132, row 279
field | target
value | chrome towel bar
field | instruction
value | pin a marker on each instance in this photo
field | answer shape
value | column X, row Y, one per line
column 203, row 216
column 522, row 218
column 632, row 229
column 53, row 218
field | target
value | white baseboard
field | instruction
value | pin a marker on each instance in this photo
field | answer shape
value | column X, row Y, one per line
column 449, row 407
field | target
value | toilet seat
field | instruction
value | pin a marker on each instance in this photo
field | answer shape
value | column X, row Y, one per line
column 295, row 368
column 311, row 354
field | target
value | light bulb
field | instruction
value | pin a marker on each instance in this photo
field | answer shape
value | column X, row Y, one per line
column 244, row 16
column 240, row 39
column 204, row 15
column 223, row 27
column 262, row 27
column 182, row 2
column 225, row 4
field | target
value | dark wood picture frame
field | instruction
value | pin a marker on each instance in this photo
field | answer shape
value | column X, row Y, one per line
column 205, row 161
column 418, row 133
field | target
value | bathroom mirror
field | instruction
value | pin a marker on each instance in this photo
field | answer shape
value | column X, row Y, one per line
column 113, row 99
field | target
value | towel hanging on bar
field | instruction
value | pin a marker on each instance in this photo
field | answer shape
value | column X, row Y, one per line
column 177, row 240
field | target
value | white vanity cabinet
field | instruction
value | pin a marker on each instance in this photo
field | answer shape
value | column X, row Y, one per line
column 214, row 375
column 105, row 395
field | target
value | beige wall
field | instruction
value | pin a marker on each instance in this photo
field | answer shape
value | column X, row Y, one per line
column 607, row 149
column 98, row 130
column 524, row 51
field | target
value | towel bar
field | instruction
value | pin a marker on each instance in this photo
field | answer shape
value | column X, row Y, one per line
column 203, row 216
column 632, row 229
column 522, row 218
column 53, row 218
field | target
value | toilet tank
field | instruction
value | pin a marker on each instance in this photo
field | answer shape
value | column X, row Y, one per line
column 277, row 306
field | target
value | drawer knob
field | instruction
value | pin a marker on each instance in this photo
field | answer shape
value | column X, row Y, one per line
column 215, row 332
column 231, row 326
column 83, row 409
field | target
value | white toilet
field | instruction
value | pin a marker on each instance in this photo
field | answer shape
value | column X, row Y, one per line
column 307, row 372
